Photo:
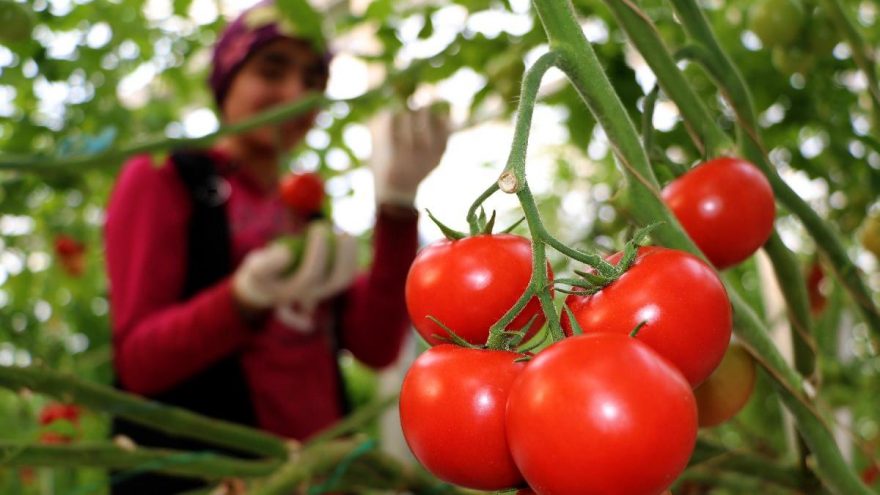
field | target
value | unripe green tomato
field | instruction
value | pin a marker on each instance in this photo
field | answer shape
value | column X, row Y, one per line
column 297, row 245
column 728, row 389
column 361, row 383
column 822, row 34
column 791, row 60
column 777, row 22
column 870, row 235
column 16, row 21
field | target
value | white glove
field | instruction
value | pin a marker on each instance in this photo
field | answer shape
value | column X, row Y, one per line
column 261, row 283
column 407, row 146
column 324, row 272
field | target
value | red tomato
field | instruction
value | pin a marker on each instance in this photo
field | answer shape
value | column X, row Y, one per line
column 870, row 474
column 818, row 301
column 55, row 411
column 303, row 192
column 601, row 413
column 452, row 405
column 71, row 255
column 66, row 245
column 26, row 475
column 58, row 412
column 469, row 284
column 726, row 206
column 681, row 299
column 727, row 391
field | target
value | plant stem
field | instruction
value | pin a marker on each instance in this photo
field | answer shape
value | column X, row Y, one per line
column 581, row 65
column 472, row 211
column 167, row 419
column 516, row 160
column 713, row 456
column 113, row 156
column 319, row 460
column 827, row 239
column 538, row 283
column 355, row 421
column 206, row 465
column 42, row 164
column 513, row 180
column 861, row 52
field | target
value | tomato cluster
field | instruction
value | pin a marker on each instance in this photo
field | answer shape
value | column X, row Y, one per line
column 615, row 405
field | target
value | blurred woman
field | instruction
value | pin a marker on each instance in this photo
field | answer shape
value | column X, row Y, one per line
column 206, row 313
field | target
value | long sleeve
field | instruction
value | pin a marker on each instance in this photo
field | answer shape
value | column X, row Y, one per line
column 376, row 321
column 158, row 339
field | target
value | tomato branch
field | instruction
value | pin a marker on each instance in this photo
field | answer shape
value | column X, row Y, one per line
column 168, row 419
column 206, row 465
column 48, row 164
column 322, row 459
column 111, row 157
column 711, row 456
column 472, row 211
column 516, row 161
column 356, row 420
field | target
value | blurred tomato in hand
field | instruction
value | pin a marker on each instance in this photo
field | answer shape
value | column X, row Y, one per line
column 303, row 192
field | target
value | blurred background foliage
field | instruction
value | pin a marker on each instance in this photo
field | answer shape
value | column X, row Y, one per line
column 95, row 75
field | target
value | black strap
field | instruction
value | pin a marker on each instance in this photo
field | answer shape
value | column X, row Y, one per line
column 221, row 391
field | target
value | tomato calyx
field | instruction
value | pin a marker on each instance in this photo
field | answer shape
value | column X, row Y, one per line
column 589, row 283
column 481, row 225
column 499, row 339
column 449, row 232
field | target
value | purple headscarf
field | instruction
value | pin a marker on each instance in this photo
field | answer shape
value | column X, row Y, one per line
column 253, row 29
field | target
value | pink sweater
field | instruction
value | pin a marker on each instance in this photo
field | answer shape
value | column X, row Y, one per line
column 159, row 340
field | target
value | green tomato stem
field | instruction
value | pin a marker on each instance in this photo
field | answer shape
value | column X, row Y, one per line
column 516, row 161
column 168, row 419
column 472, row 211
column 539, row 280
column 39, row 164
column 861, row 53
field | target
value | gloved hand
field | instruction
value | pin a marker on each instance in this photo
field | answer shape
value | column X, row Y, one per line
column 261, row 281
column 407, row 146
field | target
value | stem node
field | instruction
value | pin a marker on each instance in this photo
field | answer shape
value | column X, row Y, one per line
column 508, row 183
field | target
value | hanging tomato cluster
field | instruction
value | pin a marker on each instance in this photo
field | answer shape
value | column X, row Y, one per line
column 614, row 406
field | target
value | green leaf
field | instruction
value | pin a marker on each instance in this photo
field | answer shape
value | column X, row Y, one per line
column 490, row 224
column 304, row 21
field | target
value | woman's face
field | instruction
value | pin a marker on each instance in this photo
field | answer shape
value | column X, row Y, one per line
column 280, row 72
